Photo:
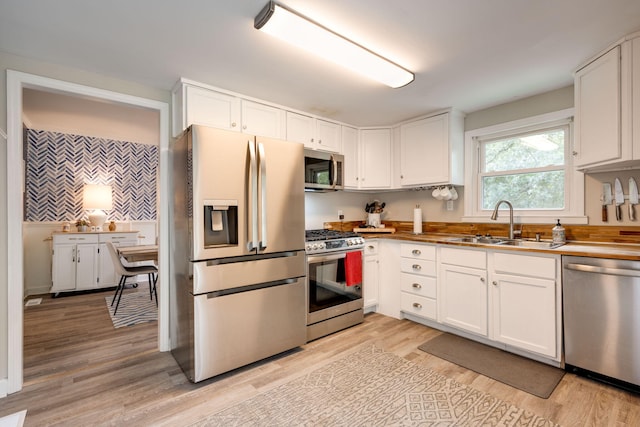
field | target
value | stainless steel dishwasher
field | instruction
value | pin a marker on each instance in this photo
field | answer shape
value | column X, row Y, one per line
column 601, row 301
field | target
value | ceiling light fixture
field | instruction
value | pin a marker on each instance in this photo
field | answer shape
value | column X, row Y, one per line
column 300, row 31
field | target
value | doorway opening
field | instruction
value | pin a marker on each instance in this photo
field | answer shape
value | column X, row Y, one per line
column 16, row 82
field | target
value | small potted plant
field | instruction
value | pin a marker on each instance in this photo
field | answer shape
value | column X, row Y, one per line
column 82, row 224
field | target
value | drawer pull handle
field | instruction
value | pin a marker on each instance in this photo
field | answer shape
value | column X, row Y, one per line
column 416, row 252
column 417, row 305
column 416, row 266
column 371, row 247
column 417, row 286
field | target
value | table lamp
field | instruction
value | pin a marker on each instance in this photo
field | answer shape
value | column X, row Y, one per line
column 97, row 198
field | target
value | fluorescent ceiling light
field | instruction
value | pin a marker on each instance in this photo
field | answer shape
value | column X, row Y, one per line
column 299, row 31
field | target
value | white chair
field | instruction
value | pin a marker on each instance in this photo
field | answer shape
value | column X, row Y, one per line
column 126, row 272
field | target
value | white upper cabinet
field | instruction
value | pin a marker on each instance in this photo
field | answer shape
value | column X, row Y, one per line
column 350, row 151
column 262, row 120
column 375, row 158
column 209, row 108
column 431, row 150
column 607, row 106
column 203, row 106
column 314, row 133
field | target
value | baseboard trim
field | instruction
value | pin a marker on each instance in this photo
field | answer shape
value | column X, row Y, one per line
column 4, row 383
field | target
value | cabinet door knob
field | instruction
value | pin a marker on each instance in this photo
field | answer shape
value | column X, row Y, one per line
column 417, row 286
column 575, row 153
column 416, row 266
column 233, row 124
column 319, row 141
column 482, row 279
column 417, row 305
column 416, row 252
column 495, row 283
column 244, row 127
column 371, row 247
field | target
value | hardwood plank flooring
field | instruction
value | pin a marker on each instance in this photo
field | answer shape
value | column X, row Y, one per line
column 80, row 371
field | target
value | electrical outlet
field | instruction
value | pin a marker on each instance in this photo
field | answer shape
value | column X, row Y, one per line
column 340, row 215
column 449, row 205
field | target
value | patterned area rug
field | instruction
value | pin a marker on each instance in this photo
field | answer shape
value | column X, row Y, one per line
column 135, row 307
column 373, row 388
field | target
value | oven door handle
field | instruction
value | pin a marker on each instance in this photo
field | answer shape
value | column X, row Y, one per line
column 322, row 258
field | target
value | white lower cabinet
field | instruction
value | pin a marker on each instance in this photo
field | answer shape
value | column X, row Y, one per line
column 418, row 280
column 75, row 262
column 371, row 277
column 81, row 261
column 463, row 299
column 525, row 303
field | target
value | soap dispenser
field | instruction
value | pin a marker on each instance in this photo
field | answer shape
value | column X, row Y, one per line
column 557, row 233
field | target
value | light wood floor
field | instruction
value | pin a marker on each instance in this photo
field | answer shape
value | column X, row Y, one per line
column 79, row 371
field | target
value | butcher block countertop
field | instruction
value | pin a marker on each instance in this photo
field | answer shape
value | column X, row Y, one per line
column 603, row 242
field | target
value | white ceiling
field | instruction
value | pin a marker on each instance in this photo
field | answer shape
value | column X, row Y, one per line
column 467, row 54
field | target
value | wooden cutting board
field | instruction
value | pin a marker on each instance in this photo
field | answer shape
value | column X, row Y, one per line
column 375, row 230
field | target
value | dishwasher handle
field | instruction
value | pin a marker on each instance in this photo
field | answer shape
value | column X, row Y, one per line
column 603, row 270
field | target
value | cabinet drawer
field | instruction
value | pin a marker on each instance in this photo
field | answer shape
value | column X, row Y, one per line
column 370, row 248
column 75, row 238
column 409, row 250
column 525, row 265
column 418, row 285
column 464, row 257
column 418, row 306
column 119, row 237
column 418, row 266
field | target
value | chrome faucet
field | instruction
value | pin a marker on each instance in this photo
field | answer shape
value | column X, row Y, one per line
column 494, row 215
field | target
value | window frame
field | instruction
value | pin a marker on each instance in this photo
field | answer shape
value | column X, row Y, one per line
column 573, row 211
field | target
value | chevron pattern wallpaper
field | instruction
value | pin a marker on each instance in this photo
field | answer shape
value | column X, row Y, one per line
column 58, row 165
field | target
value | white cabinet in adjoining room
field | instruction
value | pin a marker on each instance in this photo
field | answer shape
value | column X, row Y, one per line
column 525, row 302
column 462, row 289
column 371, row 275
column 106, row 270
column 375, row 158
column 75, row 262
column 81, row 261
column 432, row 150
column 314, row 133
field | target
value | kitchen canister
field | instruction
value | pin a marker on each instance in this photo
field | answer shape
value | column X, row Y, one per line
column 417, row 220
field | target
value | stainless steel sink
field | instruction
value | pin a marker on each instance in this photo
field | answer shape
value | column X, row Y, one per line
column 478, row 240
column 498, row 241
column 531, row 244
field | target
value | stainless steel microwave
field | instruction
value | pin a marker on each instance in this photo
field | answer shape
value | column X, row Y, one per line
column 323, row 171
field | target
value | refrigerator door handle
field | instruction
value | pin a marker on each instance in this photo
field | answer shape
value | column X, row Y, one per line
column 263, row 196
column 252, row 210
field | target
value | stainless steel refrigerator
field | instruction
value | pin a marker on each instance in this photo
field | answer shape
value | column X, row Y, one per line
column 238, row 288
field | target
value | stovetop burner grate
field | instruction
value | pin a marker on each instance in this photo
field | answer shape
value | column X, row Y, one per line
column 322, row 234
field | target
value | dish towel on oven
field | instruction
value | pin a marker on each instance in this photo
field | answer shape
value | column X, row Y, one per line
column 353, row 268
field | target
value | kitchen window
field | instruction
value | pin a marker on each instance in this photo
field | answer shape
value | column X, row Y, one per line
column 527, row 162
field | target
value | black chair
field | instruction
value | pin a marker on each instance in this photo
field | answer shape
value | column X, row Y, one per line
column 126, row 272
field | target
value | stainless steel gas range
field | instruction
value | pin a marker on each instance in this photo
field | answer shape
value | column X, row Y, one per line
column 334, row 281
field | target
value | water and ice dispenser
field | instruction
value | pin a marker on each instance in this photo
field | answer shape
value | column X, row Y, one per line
column 220, row 223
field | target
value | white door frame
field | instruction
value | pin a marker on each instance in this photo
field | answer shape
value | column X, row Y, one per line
column 16, row 81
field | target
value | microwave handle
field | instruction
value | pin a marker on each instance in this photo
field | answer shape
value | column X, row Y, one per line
column 334, row 172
